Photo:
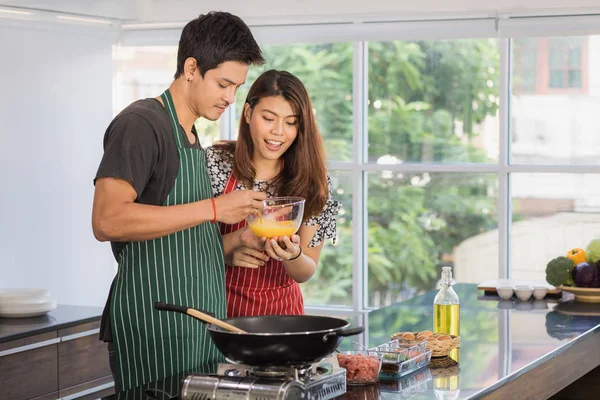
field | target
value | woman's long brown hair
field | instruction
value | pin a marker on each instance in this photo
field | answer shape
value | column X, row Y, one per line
column 304, row 172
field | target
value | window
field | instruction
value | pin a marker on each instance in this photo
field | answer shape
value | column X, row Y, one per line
column 433, row 102
column 556, row 126
column 430, row 103
column 419, row 222
column 551, row 213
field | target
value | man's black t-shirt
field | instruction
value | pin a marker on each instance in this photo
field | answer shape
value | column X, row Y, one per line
column 139, row 148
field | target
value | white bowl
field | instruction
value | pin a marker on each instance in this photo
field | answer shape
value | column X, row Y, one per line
column 505, row 292
column 15, row 310
column 24, row 296
column 539, row 292
column 524, row 292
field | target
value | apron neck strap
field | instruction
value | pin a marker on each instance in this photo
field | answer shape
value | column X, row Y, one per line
column 170, row 107
column 231, row 183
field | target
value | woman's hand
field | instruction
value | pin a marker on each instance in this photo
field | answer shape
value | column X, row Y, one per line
column 248, row 258
column 283, row 248
column 249, row 239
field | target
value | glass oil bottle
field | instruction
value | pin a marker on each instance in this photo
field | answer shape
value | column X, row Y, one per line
column 446, row 307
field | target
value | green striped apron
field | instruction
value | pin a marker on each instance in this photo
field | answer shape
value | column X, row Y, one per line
column 185, row 268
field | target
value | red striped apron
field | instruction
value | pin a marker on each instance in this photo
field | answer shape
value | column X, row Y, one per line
column 266, row 290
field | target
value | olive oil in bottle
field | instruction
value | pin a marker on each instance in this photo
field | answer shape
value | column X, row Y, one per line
column 446, row 307
column 446, row 318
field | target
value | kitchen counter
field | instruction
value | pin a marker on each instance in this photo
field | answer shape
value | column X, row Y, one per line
column 60, row 318
column 521, row 350
column 509, row 349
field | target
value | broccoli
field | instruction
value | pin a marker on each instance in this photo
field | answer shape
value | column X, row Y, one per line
column 558, row 272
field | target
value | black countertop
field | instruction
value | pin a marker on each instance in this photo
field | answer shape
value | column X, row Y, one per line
column 62, row 317
column 500, row 341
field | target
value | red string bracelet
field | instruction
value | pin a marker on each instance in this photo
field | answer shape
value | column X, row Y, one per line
column 214, row 206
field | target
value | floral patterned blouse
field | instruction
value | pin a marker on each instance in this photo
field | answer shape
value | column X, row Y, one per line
column 220, row 165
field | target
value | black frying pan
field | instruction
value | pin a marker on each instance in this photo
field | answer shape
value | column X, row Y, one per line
column 276, row 340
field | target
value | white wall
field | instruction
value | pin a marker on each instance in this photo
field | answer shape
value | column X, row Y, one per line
column 55, row 105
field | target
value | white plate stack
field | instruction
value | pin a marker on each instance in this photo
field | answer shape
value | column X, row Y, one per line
column 23, row 303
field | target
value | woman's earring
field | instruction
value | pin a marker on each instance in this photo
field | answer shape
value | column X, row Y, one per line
column 189, row 79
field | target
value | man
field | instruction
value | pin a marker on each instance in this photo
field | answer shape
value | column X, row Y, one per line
column 153, row 202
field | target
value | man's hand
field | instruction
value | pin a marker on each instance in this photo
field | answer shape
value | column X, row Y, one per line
column 233, row 207
column 248, row 258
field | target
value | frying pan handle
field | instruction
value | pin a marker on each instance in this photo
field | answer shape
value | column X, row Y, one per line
column 205, row 317
column 345, row 332
column 161, row 306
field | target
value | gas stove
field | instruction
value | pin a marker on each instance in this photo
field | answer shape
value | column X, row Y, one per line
column 320, row 381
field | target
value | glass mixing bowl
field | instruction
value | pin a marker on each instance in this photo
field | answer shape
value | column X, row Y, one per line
column 281, row 216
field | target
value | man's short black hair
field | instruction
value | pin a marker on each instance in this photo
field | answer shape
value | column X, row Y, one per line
column 214, row 38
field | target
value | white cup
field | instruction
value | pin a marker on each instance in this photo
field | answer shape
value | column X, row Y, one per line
column 505, row 292
column 539, row 292
column 524, row 292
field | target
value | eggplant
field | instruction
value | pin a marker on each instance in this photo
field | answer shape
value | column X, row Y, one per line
column 586, row 275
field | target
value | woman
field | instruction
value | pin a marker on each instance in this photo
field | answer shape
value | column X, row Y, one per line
column 278, row 151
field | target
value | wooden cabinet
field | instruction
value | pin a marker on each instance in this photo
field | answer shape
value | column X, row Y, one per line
column 29, row 367
column 67, row 363
column 82, row 357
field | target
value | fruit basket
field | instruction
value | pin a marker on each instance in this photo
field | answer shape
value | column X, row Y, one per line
column 582, row 294
column 440, row 344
